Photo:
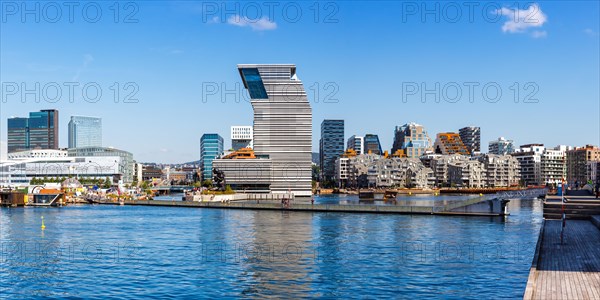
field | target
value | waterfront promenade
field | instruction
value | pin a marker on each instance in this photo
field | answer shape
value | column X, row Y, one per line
column 481, row 207
column 570, row 270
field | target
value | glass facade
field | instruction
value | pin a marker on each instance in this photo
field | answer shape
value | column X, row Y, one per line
column 39, row 131
column 331, row 146
column 254, row 82
column 372, row 144
column 211, row 146
column 85, row 132
column 18, row 134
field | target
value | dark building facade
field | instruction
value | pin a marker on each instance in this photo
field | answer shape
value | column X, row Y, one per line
column 331, row 146
column 471, row 138
column 372, row 144
column 39, row 131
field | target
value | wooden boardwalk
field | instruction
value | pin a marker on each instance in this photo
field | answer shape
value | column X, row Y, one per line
column 568, row 271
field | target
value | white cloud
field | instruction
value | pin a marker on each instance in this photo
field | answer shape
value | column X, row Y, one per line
column 590, row 32
column 539, row 34
column 256, row 24
column 520, row 20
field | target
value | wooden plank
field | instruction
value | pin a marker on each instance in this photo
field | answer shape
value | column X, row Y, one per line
column 569, row 271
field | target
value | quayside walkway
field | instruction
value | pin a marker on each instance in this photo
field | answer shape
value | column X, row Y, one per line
column 479, row 207
column 570, row 270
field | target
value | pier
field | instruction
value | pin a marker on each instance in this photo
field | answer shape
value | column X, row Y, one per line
column 567, row 269
column 478, row 207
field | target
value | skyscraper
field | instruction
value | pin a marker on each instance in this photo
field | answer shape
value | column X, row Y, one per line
column 39, row 131
column 356, row 143
column 282, row 134
column 85, row 132
column 331, row 146
column 501, row 146
column 241, row 137
column 471, row 137
column 372, row 144
column 211, row 146
column 413, row 139
column 18, row 134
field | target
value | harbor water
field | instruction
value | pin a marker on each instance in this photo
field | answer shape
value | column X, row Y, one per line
column 106, row 251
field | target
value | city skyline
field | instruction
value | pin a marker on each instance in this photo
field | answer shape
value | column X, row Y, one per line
column 176, row 74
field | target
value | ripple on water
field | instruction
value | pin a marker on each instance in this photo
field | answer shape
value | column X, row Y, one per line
column 152, row 252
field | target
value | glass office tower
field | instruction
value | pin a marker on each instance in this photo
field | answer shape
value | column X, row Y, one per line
column 85, row 132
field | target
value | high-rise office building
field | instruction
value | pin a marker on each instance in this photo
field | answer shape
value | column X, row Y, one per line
column 39, row 131
column 356, row 143
column 413, row 139
column 471, row 137
column 85, row 132
column 449, row 143
column 211, row 146
column 18, row 134
column 331, row 146
column 372, row 144
column 501, row 146
column 241, row 137
column 282, row 134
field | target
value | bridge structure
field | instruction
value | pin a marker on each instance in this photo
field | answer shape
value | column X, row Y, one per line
column 170, row 188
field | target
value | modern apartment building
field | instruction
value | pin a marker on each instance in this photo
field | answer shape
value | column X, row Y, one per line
column 38, row 131
column 578, row 172
column 471, row 138
column 211, row 147
column 448, row 143
column 501, row 146
column 85, row 132
column 241, row 137
column 530, row 162
column 501, row 170
column 554, row 165
column 466, row 173
column 331, row 146
column 282, row 134
column 413, row 139
column 356, row 143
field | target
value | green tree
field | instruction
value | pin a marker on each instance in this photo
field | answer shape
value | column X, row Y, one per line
column 207, row 183
column 228, row 190
column 107, row 183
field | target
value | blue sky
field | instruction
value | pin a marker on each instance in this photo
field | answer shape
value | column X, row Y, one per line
column 357, row 60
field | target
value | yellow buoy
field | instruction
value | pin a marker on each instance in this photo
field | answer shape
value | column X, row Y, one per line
column 43, row 226
column 480, row 194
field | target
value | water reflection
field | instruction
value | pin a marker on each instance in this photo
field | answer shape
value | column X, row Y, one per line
column 139, row 252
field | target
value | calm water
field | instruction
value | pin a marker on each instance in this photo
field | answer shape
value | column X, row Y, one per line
column 153, row 252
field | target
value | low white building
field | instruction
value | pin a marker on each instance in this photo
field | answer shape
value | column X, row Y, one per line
column 21, row 167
